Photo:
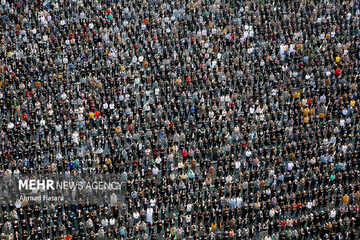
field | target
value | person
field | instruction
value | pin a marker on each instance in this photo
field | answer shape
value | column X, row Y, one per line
column 136, row 215
column 149, row 215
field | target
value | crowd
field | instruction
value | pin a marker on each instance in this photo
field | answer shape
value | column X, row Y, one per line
column 223, row 119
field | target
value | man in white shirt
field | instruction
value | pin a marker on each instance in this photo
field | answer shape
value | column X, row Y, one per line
column 153, row 203
column 332, row 214
column 290, row 166
column 155, row 171
column 149, row 215
column 188, row 219
column 136, row 216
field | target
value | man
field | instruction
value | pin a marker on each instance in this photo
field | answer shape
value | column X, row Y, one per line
column 136, row 216
column 339, row 236
column 179, row 232
column 149, row 215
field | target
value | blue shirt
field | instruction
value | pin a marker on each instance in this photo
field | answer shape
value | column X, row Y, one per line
column 232, row 202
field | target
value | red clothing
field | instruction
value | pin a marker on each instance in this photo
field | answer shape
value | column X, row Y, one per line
column 283, row 224
column 134, row 163
column 244, row 145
